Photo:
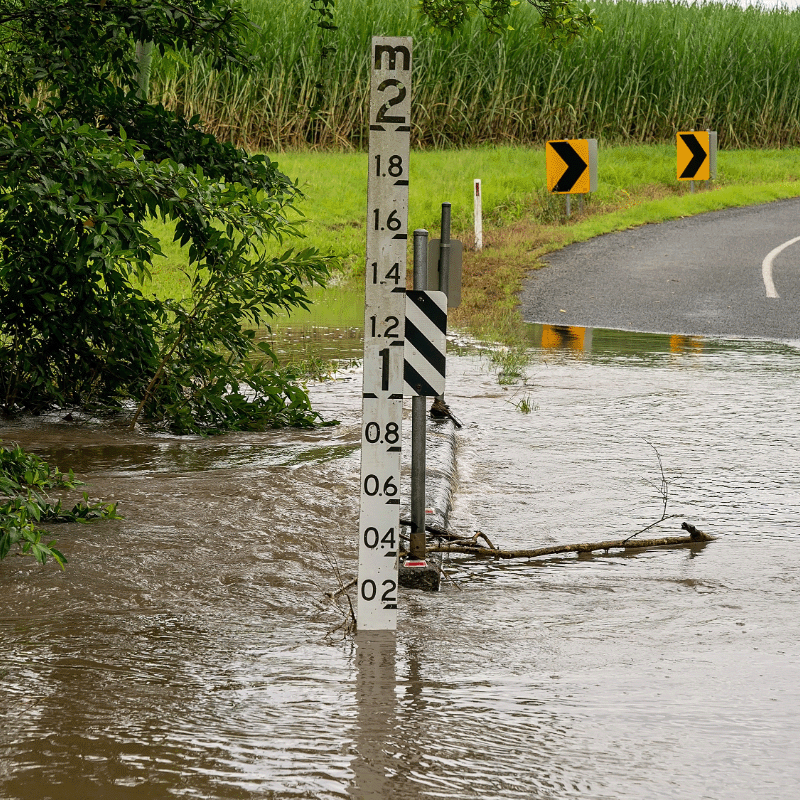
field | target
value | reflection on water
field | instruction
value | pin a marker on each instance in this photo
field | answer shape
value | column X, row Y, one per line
column 601, row 340
column 294, row 342
column 375, row 721
column 184, row 652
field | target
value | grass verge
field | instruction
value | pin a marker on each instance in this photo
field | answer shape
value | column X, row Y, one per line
column 522, row 222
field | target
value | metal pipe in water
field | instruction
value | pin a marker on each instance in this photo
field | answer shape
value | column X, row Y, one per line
column 418, row 419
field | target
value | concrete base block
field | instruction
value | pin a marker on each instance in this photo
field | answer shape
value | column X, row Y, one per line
column 424, row 577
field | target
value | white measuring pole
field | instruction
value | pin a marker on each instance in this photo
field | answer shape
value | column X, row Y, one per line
column 478, row 216
column 384, row 323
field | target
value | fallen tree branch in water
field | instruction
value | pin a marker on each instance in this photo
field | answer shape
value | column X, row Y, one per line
column 694, row 537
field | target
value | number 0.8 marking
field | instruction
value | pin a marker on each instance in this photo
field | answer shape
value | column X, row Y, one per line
column 372, row 433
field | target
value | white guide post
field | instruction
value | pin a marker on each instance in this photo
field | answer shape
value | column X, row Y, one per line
column 478, row 216
column 384, row 317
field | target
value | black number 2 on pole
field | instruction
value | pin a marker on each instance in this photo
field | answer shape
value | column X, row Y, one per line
column 384, row 317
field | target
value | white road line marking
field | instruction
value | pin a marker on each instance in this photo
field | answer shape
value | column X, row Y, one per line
column 766, row 266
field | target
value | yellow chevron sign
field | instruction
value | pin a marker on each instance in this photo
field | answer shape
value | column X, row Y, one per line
column 697, row 155
column 571, row 166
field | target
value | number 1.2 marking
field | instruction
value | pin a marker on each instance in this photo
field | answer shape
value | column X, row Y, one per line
column 393, row 323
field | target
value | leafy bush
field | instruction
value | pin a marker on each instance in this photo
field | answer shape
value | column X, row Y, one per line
column 85, row 162
column 24, row 505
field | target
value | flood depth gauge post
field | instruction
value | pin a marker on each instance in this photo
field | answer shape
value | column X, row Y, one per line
column 384, row 321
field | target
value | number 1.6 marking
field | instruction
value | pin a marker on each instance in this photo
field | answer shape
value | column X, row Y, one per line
column 393, row 222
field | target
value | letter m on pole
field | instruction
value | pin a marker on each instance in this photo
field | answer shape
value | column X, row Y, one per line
column 392, row 53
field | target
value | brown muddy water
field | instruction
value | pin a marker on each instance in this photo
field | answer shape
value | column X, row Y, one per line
column 184, row 652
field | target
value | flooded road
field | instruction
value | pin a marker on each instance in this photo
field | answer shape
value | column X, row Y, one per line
column 184, row 652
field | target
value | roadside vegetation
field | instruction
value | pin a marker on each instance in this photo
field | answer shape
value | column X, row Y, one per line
column 483, row 107
column 522, row 221
column 88, row 159
column 103, row 306
column 656, row 67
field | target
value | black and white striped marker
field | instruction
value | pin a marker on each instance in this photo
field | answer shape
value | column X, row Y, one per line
column 425, row 342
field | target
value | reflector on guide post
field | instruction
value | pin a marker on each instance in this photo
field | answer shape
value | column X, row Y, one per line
column 571, row 166
column 697, row 155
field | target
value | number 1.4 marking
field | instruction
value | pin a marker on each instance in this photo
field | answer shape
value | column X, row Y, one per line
column 392, row 275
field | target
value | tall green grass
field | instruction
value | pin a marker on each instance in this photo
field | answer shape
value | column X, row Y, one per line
column 656, row 68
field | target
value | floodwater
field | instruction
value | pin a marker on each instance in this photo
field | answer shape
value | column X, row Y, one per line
column 185, row 651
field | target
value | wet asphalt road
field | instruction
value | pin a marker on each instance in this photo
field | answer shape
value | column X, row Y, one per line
column 700, row 275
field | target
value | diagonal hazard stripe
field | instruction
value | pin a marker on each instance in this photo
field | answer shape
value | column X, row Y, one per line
column 417, row 382
column 427, row 349
column 429, row 309
column 425, row 343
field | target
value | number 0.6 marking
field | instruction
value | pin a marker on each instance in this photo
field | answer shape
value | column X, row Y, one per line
column 372, row 486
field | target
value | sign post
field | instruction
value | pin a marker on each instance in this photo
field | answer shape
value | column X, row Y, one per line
column 384, row 319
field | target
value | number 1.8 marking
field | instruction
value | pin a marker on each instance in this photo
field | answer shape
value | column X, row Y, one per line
column 395, row 168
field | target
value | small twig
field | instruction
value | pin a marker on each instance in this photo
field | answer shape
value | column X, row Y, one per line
column 349, row 623
column 341, row 590
column 481, row 535
column 652, row 525
column 663, row 490
column 449, row 578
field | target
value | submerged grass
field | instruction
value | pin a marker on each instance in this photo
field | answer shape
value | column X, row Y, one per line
column 656, row 68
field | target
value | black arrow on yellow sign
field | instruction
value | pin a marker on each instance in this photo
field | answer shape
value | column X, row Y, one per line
column 571, row 166
column 699, row 155
column 576, row 166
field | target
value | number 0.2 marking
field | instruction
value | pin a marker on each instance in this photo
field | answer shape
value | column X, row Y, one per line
column 369, row 591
